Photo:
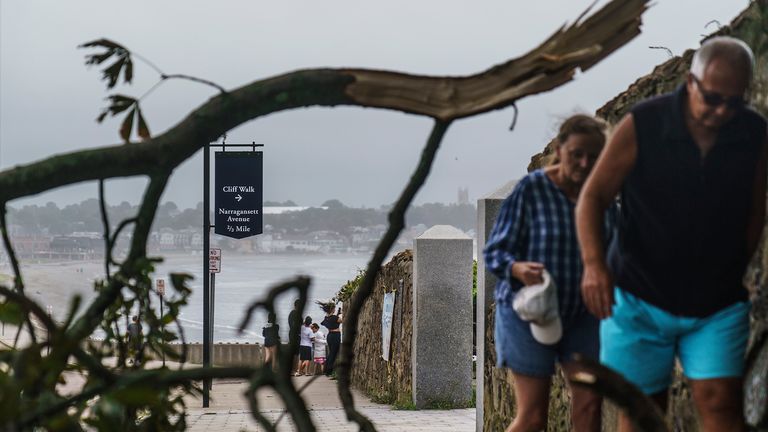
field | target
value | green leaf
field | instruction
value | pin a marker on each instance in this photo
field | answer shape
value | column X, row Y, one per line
column 122, row 63
column 179, row 282
column 127, row 125
column 102, row 43
column 136, row 396
column 141, row 128
column 118, row 104
column 11, row 313
column 112, row 73
column 128, row 72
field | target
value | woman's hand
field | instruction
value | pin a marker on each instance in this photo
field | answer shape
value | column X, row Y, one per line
column 528, row 272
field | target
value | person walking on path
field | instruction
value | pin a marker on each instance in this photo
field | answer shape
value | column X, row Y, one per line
column 332, row 322
column 305, row 347
column 319, row 347
column 135, row 336
column 271, row 334
column 691, row 169
column 533, row 252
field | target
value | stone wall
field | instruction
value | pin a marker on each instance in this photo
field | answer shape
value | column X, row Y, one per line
column 225, row 354
column 387, row 382
column 499, row 393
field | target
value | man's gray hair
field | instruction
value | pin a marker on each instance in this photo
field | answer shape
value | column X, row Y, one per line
column 723, row 47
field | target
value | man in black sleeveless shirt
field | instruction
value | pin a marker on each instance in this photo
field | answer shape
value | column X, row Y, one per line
column 691, row 169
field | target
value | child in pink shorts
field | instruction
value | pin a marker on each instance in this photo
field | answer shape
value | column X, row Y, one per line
column 319, row 347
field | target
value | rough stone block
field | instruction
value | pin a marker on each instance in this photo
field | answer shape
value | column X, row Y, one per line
column 442, row 318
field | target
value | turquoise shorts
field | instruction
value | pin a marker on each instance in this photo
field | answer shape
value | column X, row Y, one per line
column 641, row 341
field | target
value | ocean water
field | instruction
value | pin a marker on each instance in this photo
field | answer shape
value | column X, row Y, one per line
column 247, row 278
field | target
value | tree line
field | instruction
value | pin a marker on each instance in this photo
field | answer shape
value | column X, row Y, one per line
column 332, row 215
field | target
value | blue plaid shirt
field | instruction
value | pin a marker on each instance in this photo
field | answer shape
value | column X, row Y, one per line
column 536, row 223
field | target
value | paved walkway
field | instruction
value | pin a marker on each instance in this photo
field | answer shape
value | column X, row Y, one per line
column 385, row 419
column 229, row 413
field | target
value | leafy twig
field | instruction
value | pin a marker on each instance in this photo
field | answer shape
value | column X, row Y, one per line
column 18, row 281
column 221, row 89
column 669, row 51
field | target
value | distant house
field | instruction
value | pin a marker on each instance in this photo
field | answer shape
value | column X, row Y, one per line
column 26, row 246
column 366, row 238
column 329, row 241
column 275, row 210
column 168, row 239
column 83, row 246
column 313, row 242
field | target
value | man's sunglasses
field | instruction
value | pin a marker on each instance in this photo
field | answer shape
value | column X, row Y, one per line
column 716, row 99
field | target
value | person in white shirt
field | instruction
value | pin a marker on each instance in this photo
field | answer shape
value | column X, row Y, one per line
column 319, row 345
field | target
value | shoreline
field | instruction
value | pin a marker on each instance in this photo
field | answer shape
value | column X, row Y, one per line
column 244, row 278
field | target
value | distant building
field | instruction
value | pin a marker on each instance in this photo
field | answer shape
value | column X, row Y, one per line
column 313, row 242
column 463, row 196
column 26, row 246
column 275, row 210
column 84, row 246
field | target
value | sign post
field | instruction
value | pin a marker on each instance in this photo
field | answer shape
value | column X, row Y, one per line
column 237, row 214
column 160, row 286
column 214, row 259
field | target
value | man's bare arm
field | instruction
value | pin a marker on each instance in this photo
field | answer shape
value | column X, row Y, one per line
column 602, row 186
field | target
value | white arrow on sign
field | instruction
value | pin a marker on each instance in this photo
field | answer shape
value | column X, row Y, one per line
column 238, row 197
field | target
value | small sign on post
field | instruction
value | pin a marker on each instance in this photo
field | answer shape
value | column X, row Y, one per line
column 214, row 260
column 160, row 286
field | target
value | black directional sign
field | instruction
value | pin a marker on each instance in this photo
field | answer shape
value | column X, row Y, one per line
column 238, row 211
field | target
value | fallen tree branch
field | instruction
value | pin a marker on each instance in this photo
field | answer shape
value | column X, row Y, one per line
column 553, row 63
column 642, row 410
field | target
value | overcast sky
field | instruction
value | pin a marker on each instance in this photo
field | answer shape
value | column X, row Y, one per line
column 363, row 157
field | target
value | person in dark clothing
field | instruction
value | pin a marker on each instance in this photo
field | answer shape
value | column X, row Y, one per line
column 305, row 347
column 294, row 319
column 332, row 322
column 691, row 169
column 294, row 325
column 271, row 333
column 134, row 335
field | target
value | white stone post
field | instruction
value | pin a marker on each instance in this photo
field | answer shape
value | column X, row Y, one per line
column 442, row 318
column 488, row 209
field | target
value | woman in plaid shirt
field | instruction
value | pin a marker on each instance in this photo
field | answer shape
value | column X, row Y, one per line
column 535, row 230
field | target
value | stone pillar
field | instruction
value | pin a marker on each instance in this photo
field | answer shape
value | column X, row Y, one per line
column 488, row 209
column 442, row 318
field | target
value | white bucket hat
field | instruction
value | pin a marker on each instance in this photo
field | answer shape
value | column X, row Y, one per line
column 538, row 304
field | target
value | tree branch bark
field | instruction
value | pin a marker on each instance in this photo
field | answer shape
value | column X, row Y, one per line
column 576, row 46
column 553, row 63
